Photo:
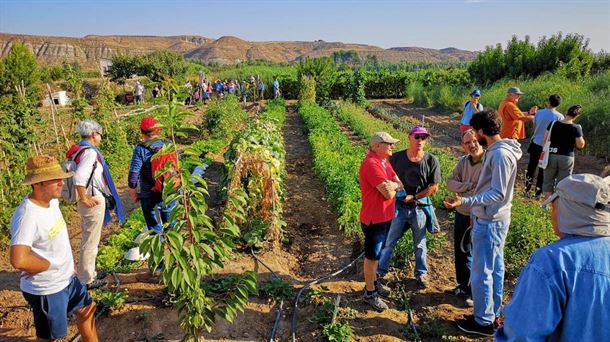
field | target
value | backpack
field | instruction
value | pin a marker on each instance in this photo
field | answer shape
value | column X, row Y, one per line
column 156, row 163
column 68, row 191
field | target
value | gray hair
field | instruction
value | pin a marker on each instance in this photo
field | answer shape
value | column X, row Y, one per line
column 86, row 128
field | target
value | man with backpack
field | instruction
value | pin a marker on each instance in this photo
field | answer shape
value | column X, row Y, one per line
column 142, row 171
column 96, row 196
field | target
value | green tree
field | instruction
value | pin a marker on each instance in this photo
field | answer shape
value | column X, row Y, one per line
column 18, row 68
column 322, row 70
column 163, row 63
column 123, row 66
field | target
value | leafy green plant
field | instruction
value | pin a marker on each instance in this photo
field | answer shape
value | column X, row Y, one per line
column 110, row 299
column 324, row 312
column 339, row 332
column 276, row 289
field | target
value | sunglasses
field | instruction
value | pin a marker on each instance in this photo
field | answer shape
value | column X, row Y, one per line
column 420, row 136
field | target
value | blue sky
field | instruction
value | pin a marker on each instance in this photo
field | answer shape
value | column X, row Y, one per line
column 465, row 24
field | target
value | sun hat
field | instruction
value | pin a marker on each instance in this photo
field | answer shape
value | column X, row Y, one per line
column 475, row 92
column 43, row 168
column 148, row 124
column 383, row 137
column 584, row 205
column 419, row 130
column 515, row 90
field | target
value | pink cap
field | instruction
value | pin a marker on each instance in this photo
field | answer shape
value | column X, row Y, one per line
column 419, row 130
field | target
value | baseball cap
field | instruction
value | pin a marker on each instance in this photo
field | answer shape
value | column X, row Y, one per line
column 584, row 204
column 148, row 123
column 476, row 92
column 383, row 137
column 514, row 90
column 419, row 130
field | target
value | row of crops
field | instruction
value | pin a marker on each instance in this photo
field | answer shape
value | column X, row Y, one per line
column 193, row 244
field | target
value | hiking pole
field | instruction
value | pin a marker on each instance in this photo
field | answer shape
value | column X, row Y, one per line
column 308, row 285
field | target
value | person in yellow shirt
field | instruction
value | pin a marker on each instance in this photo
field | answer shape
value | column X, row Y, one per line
column 513, row 119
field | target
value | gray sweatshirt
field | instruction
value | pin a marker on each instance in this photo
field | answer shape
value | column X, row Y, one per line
column 494, row 192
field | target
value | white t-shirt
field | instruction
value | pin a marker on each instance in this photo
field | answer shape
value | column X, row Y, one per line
column 45, row 231
column 83, row 171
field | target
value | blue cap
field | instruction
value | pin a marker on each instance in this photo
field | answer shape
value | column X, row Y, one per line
column 476, row 92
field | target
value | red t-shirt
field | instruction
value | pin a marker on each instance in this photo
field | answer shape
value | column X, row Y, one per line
column 375, row 208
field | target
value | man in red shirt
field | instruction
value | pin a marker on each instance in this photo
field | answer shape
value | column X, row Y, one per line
column 513, row 119
column 378, row 185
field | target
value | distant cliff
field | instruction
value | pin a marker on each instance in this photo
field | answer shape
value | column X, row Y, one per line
column 226, row 50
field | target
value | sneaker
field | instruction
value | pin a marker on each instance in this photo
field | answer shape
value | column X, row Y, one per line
column 372, row 299
column 458, row 292
column 538, row 193
column 469, row 325
column 381, row 290
column 422, row 281
column 96, row 284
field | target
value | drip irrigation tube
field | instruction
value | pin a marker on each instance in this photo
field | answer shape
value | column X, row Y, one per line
column 278, row 311
column 308, row 285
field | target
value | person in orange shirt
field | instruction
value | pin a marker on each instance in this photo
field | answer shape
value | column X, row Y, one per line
column 513, row 119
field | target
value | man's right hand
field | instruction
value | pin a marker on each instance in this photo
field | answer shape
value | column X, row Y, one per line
column 89, row 201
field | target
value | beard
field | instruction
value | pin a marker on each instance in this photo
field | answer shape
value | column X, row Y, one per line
column 482, row 141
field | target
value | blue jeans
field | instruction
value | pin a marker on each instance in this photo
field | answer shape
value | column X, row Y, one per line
column 487, row 274
column 406, row 217
column 148, row 209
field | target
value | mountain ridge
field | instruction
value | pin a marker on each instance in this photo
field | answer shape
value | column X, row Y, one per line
column 90, row 49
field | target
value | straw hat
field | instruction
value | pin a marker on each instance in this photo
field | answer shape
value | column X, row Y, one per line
column 43, row 168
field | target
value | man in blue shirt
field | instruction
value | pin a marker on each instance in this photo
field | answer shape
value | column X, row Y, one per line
column 564, row 291
column 140, row 172
column 541, row 121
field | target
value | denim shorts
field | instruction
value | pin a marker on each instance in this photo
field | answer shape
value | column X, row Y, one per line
column 374, row 238
column 51, row 311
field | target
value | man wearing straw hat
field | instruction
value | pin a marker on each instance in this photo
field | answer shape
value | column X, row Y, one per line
column 563, row 292
column 40, row 249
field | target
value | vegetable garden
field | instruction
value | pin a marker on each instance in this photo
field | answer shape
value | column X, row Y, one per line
column 242, row 258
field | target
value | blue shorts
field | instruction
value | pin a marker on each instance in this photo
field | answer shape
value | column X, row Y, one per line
column 51, row 311
column 374, row 238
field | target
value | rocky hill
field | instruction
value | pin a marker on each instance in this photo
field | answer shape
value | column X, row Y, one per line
column 225, row 50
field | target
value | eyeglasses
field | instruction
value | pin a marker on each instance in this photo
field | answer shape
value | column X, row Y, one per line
column 387, row 143
column 420, row 136
column 100, row 134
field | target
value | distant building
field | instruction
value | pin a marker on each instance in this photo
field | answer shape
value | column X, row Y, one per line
column 60, row 98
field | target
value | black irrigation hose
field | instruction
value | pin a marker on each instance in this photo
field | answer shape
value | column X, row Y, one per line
column 308, row 285
column 410, row 321
column 278, row 312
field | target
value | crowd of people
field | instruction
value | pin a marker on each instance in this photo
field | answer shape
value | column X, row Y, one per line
column 562, row 293
column 564, row 289
column 201, row 92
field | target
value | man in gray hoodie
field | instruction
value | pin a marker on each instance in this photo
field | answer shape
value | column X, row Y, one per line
column 490, row 209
